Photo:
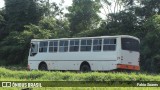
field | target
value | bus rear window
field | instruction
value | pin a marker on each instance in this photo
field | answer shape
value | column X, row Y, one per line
column 130, row 44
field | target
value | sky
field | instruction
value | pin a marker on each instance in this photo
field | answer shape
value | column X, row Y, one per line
column 1, row 3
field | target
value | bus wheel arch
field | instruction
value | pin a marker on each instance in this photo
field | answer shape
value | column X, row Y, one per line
column 85, row 67
column 43, row 66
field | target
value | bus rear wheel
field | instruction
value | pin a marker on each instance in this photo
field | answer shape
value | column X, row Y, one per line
column 43, row 67
column 85, row 68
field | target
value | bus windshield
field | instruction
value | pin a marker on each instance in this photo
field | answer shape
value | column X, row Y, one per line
column 130, row 44
column 34, row 49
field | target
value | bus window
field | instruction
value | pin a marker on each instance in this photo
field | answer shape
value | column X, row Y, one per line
column 74, row 45
column 109, row 44
column 130, row 44
column 63, row 46
column 97, row 44
column 43, row 46
column 34, row 49
column 53, row 46
column 86, row 44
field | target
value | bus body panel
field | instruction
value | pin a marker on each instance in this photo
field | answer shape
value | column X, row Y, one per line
column 75, row 65
column 72, row 60
column 98, row 60
column 130, row 57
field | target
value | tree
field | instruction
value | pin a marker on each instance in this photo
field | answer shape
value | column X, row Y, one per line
column 14, row 49
column 150, row 46
column 3, row 31
column 121, row 23
column 54, row 10
column 149, row 8
column 22, row 12
column 111, row 6
column 59, row 28
column 83, row 15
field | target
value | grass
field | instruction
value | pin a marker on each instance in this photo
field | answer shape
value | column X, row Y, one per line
column 88, row 88
column 24, row 75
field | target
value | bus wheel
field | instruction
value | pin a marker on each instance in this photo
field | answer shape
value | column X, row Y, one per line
column 85, row 68
column 43, row 67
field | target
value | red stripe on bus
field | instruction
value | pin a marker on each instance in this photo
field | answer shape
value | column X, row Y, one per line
column 130, row 67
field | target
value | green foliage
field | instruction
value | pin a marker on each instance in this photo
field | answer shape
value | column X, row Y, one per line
column 58, row 28
column 72, row 76
column 23, row 20
column 150, row 8
column 22, row 12
column 14, row 48
column 122, row 23
column 150, row 52
column 83, row 15
column 48, row 28
column 35, row 32
column 3, row 31
column 13, row 75
column 88, row 88
column 54, row 10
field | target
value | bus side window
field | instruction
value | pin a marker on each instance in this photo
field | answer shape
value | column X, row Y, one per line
column 97, row 44
column 53, row 46
column 109, row 44
column 43, row 46
column 63, row 47
column 86, row 44
column 74, row 45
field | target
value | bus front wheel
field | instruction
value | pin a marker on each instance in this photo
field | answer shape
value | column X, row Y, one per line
column 85, row 68
column 43, row 67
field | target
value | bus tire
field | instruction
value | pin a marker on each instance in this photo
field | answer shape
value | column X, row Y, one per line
column 85, row 68
column 43, row 66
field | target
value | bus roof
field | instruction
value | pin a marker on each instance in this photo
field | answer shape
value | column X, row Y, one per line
column 116, row 36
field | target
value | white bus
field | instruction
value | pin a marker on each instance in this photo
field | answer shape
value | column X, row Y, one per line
column 102, row 53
